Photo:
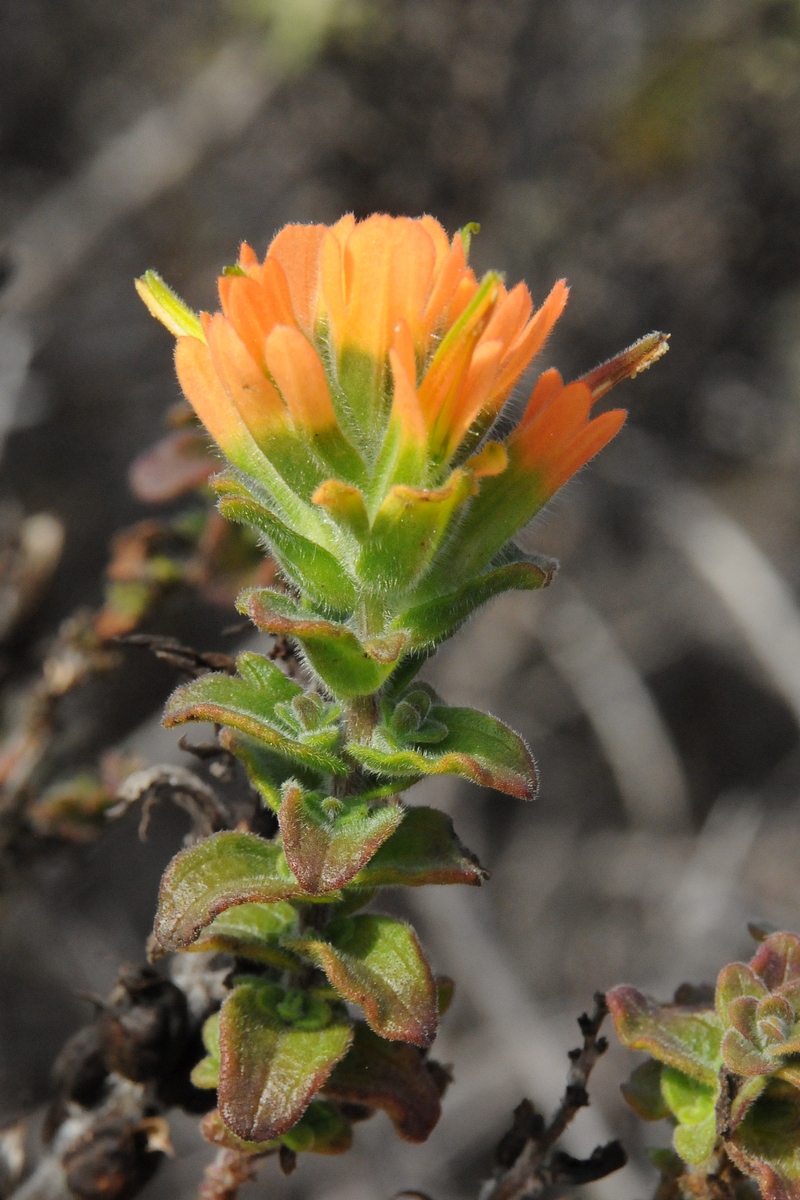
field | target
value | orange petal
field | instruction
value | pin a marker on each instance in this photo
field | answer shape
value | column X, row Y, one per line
column 438, row 236
column 259, row 405
column 474, row 391
column 406, row 407
column 388, row 267
column 403, row 345
column 547, row 387
column 331, row 302
column 450, row 273
column 462, row 297
column 439, row 389
column 597, row 434
column 297, row 249
column 546, row 436
column 508, row 319
column 296, row 368
column 254, row 308
column 248, row 259
column 204, row 391
column 531, row 340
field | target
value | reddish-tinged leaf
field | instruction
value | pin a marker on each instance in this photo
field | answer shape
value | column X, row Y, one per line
column 377, row 962
column 742, row 1016
column 682, row 1038
column 735, row 980
column 269, row 1071
column 423, row 850
column 476, row 746
column 391, row 1076
column 247, row 703
column 742, row 1057
column 219, row 872
column 216, row 1131
column 348, row 666
column 777, row 960
column 327, row 842
column 766, row 1145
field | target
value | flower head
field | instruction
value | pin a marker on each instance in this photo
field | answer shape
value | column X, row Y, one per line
column 356, row 374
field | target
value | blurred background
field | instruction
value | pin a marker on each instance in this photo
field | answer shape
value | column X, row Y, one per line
column 648, row 152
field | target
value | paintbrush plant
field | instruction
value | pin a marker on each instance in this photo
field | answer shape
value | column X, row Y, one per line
column 353, row 381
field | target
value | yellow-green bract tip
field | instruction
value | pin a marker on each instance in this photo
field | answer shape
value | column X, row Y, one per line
column 167, row 307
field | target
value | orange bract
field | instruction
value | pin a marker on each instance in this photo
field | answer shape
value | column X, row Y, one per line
column 378, row 333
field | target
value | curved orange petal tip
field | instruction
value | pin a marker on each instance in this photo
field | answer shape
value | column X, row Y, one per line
column 583, row 447
column 627, row 365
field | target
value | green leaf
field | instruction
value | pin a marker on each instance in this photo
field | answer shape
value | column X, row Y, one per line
column 478, row 747
column 206, row 1072
column 643, row 1091
column 250, row 706
column 377, row 962
column 766, row 1145
column 425, row 849
column 687, row 1039
column 435, row 621
column 407, row 531
column 253, row 931
column 328, row 841
column 321, row 1130
column 391, row 1076
column 314, row 569
column 266, row 771
column 270, row 1070
column 223, row 870
column 695, row 1143
column 348, row 666
column 689, row 1100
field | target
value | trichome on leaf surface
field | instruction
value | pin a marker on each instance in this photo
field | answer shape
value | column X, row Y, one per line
column 724, row 1068
column 355, row 381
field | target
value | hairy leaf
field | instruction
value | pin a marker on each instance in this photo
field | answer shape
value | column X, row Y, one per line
column 328, row 841
column 377, row 962
column 221, row 871
column 766, row 1144
column 391, row 1076
column 348, row 666
column 253, row 931
column 247, row 704
column 270, row 1070
column 695, row 1143
column 267, row 771
column 425, row 849
column 433, row 622
column 686, row 1039
column 643, row 1091
column 476, row 746
column 407, row 531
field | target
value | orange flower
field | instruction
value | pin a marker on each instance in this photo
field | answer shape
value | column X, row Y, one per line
column 368, row 350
